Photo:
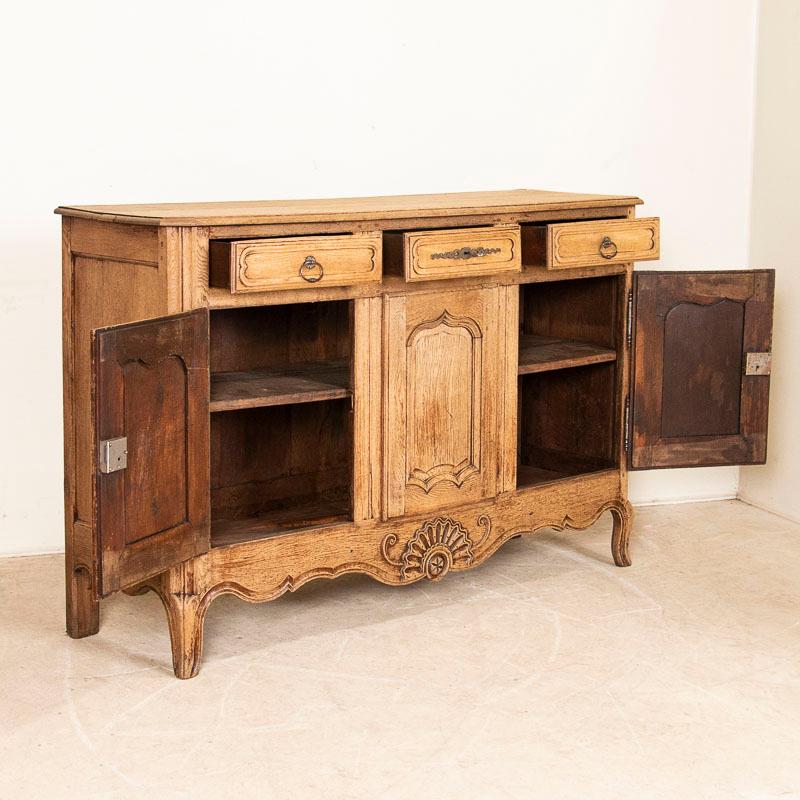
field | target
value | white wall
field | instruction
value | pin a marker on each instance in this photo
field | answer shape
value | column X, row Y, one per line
column 776, row 486
column 125, row 102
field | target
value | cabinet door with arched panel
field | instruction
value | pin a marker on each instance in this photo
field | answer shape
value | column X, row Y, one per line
column 150, row 396
column 451, row 397
column 701, row 363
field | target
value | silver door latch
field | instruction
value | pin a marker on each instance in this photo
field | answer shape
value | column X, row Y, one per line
column 113, row 454
column 758, row 364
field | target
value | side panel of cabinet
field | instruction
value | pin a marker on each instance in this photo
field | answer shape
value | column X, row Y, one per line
column 695, row 400
column 151, row 386
column 446, row 383
column 111, row 274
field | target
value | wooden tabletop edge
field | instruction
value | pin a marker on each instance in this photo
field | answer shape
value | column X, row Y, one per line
column 75, row 211
column 115, row 214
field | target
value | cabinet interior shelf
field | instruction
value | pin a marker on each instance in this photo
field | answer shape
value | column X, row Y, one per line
column 280, row 386
column 541, row 354
column 528, row 476
column 300, row 515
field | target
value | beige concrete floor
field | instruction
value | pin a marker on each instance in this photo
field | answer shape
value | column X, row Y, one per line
column 546, row 673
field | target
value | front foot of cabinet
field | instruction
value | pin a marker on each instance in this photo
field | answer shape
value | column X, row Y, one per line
column 186, row 636
column 83, row 609
column 621, row 534
column 185, row 600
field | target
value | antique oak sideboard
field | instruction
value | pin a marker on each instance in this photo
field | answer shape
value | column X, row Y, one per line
column 258, row 394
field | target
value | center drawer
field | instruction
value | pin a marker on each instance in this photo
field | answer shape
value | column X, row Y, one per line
column 453, row 253
column 295, row 262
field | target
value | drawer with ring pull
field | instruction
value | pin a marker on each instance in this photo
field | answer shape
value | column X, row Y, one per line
column 591, row 244
column 295, row 262
column 454, row 252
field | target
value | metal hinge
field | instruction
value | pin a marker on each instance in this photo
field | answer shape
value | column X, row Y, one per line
column 626, row 441
column 629, row 320
column 113, row 455
column 758, row 364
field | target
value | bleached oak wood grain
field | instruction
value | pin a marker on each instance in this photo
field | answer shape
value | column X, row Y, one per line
column 418, row 429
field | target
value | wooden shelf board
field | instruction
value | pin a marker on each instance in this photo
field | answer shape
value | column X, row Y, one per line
column 528, row 476
column 301, row 383
column 535, row 273
column 302, row 516
column 541, row 353
column 531, row 476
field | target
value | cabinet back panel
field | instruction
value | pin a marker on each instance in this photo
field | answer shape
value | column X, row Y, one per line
column 250, row 338
column 265, row 458
column 583, row 310
column 567, row 418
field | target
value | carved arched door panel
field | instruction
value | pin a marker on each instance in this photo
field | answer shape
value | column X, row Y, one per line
column 450, row 375
column 700, row 376
column 150, row 398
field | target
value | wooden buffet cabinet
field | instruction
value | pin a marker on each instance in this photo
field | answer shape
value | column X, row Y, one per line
column 258, row 394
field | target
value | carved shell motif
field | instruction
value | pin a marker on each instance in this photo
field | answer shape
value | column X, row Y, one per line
column 433, row 549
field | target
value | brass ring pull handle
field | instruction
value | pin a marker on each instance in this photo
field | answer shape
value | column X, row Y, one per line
column 311, row 270
column 607, row 248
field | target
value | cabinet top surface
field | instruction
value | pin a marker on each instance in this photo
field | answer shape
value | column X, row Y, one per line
column 253, row 212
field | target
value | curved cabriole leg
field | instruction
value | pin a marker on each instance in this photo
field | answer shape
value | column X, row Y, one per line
column 185, row 600
column 83, row 608
column 185, row 616
column 620, row 536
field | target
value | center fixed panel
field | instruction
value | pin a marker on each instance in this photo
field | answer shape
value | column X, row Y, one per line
column 450, row 373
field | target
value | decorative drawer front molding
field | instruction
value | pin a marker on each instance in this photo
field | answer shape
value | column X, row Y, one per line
column 458, row 252
column 590, row 244
column 298, row 262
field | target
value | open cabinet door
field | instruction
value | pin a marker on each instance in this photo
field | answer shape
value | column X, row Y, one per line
column 701, row 364
column 151, row 418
